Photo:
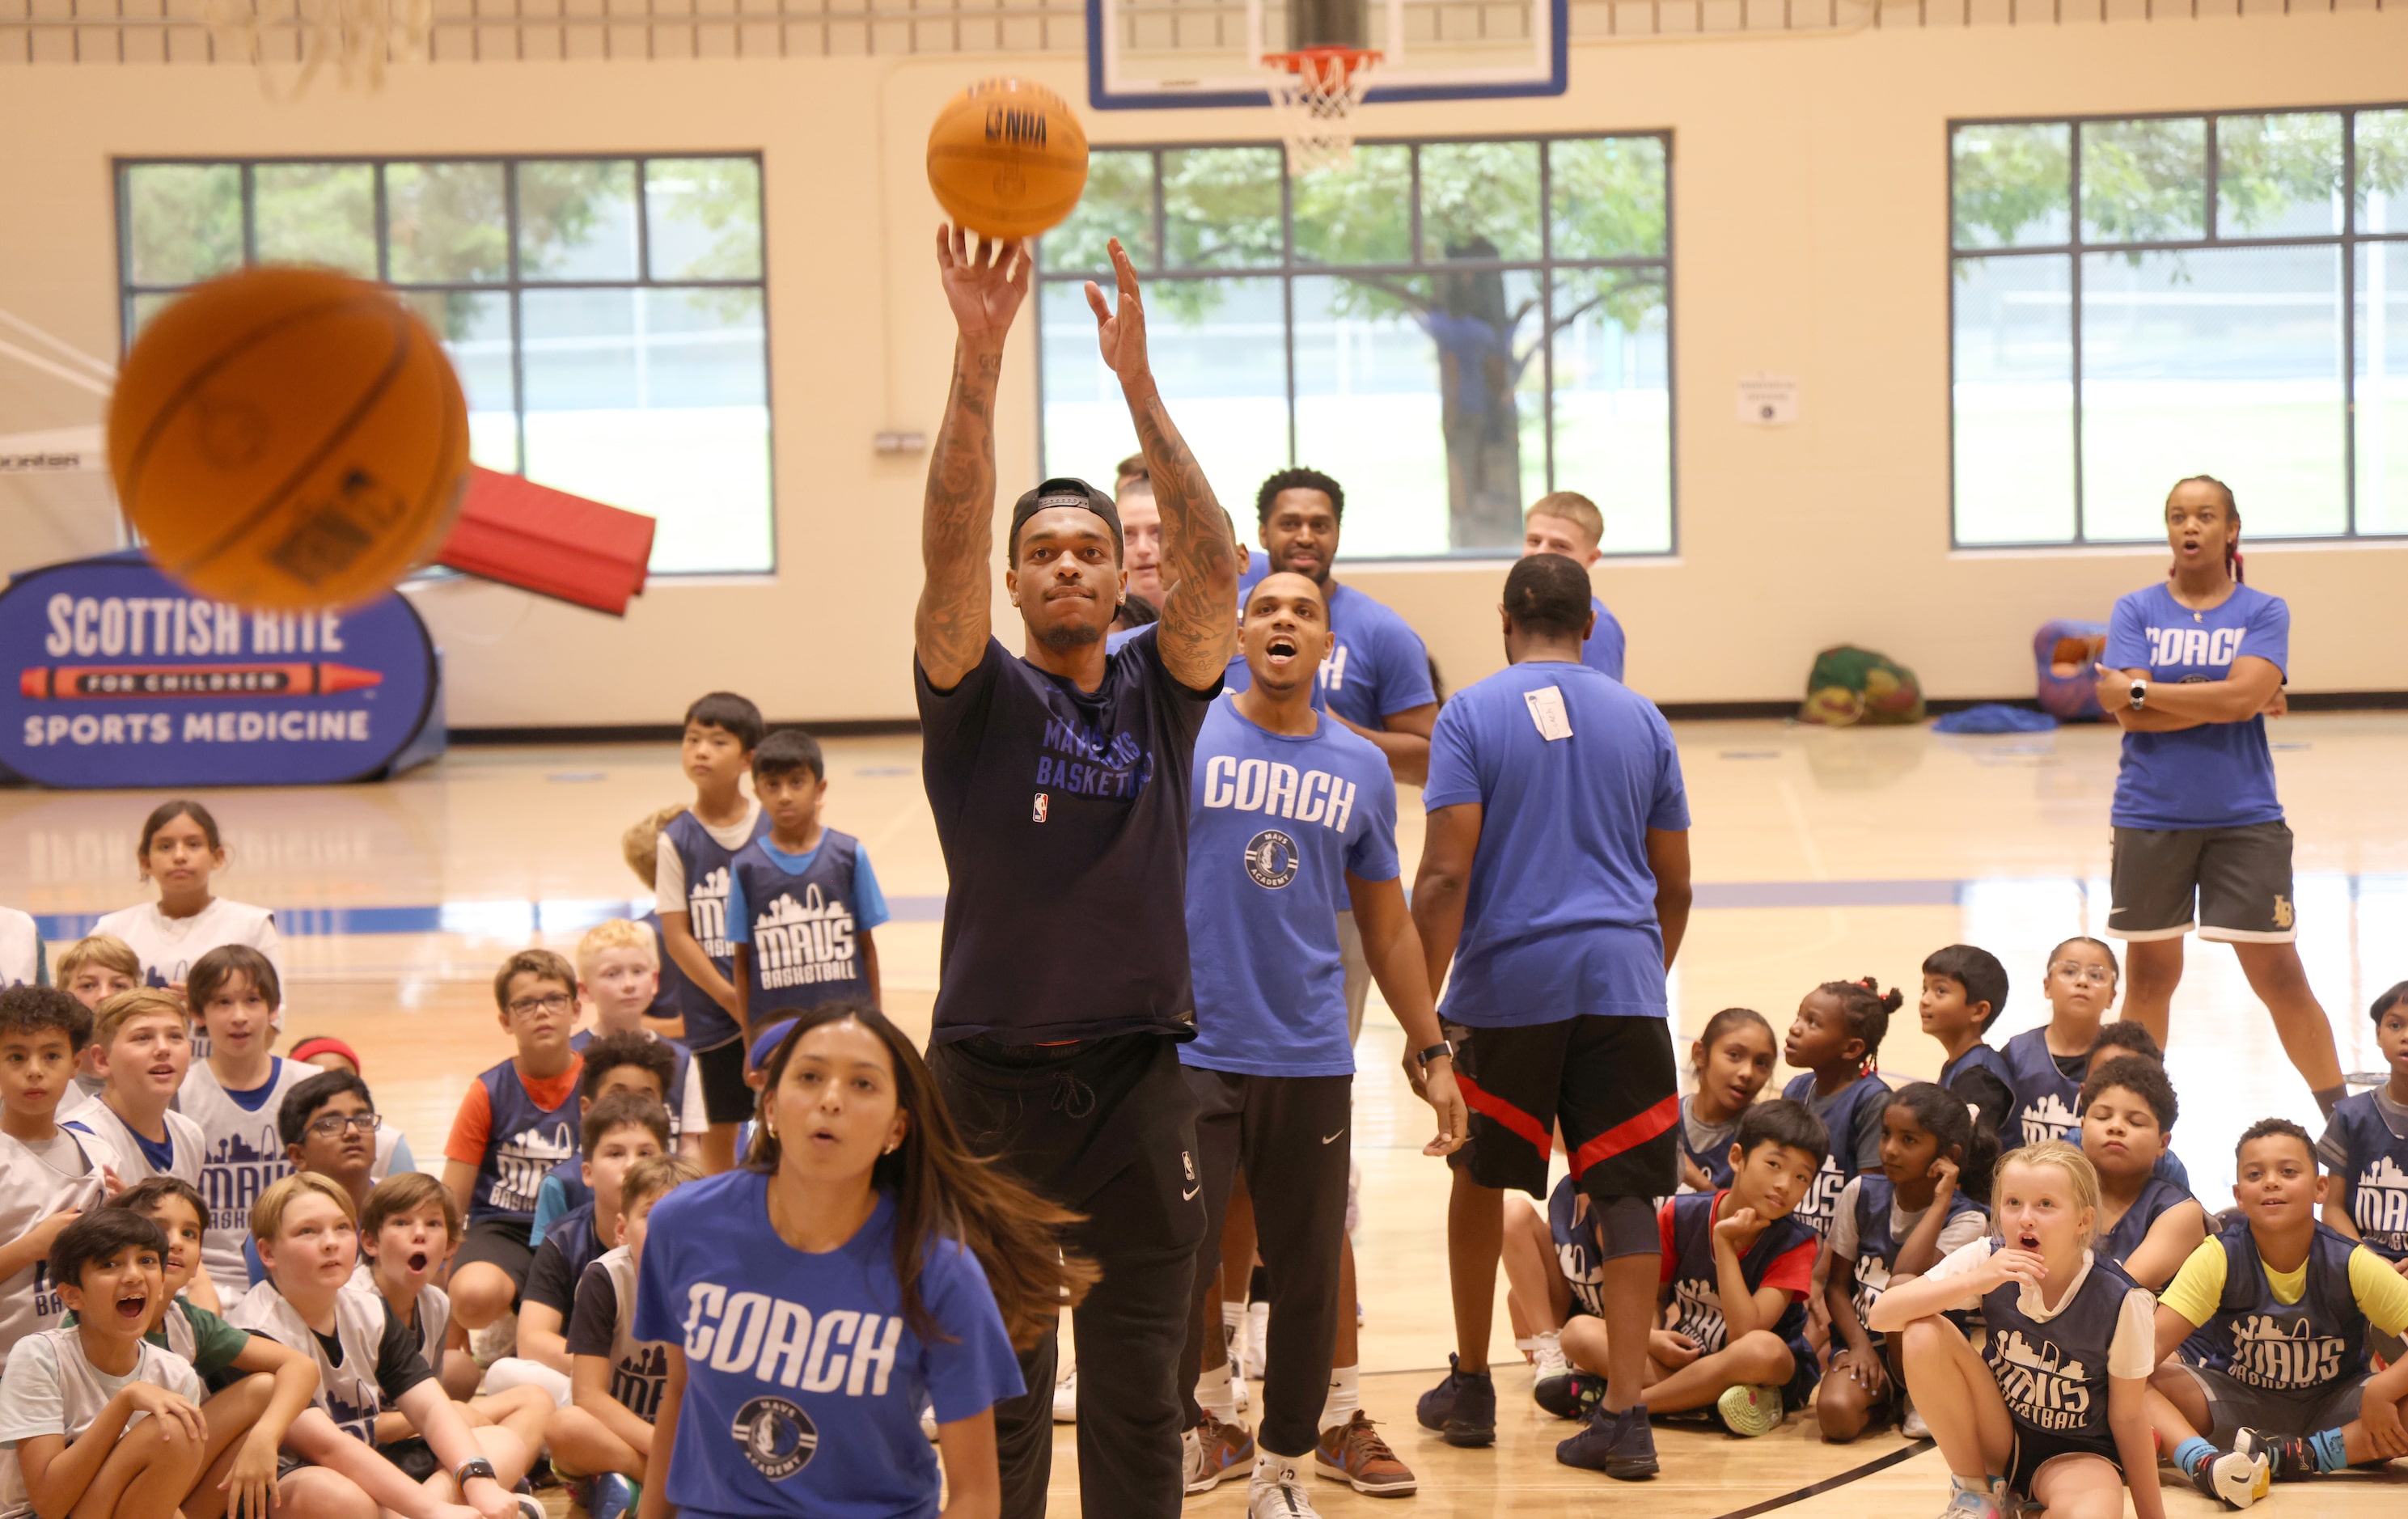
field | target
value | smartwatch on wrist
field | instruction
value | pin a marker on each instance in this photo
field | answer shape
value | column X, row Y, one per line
column 2139, row 692
column 1443, row 1049
column 470, row 1470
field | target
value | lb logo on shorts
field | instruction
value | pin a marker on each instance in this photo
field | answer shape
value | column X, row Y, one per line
column 1270, row 858
column 2283, row 916
column 776, row 1436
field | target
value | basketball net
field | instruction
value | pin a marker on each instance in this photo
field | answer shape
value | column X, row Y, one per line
column 1315, row 91
column 358, row 37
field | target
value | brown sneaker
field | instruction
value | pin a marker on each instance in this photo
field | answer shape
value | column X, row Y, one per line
column 1352, row 1452
column 1215, row 1451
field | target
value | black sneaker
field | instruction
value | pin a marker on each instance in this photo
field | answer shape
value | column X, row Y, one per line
column 1462, row 1409
column 1621, row 1445
column 1572, row 1396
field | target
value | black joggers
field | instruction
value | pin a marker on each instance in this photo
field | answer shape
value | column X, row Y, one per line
column 1104, row 1126
column 1289, row 1135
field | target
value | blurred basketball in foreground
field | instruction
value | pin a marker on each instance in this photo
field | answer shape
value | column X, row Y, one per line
column 289, row 439
column 1007, row 158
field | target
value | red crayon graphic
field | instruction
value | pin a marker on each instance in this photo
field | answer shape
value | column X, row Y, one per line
column 100, row 682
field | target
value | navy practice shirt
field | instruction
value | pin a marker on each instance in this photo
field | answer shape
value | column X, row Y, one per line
column 1278, row 821
column 1063, row 818
column 2218, row 775
column 1559, row 920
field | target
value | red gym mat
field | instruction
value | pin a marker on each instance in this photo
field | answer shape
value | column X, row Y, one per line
column 554, row 544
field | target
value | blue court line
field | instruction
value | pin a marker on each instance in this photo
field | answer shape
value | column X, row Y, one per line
column 524, row 919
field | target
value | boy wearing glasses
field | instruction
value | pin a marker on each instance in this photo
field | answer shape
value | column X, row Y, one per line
column 329, row 1125
column 518, row 1121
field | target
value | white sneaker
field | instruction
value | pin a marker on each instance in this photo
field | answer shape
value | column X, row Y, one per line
column 1258, row 1334
column 928, row 1424
column 1066, row 1398
column 495, row 1341
column 1912, row 1427
column 1547, row 1358
column 1277, row 1491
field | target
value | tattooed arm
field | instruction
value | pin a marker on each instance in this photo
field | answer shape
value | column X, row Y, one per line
column 1199, row 618
column 985, row 285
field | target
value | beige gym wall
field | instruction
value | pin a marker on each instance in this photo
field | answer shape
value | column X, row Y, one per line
column 1809, row 213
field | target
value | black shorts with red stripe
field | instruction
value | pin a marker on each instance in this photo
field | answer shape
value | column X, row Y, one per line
column 1608, row 1083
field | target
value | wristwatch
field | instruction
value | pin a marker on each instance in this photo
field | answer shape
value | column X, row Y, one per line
column 1443, row 1049
column 470, row 1469
column 2140, row 692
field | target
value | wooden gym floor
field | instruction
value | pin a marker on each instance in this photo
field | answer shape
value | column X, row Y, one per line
column 1819, row 855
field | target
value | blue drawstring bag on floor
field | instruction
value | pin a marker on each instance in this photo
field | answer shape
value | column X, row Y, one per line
column 1994, row 717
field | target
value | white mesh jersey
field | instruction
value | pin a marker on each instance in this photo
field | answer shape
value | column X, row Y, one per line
column 433, row 1312
column 169, row 946
column 348, row 1391
column 54, row 1363
column 638, row 1368
column 35, row 1182
column 20, row 948
column 242, row 1155
column 184, row 1140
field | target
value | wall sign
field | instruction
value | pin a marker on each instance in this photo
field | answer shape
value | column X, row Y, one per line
column 112, row 675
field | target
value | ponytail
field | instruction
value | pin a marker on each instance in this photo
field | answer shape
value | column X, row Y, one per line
column 1867, row 1008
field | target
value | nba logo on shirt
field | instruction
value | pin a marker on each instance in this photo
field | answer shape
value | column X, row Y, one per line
column 1036, row 808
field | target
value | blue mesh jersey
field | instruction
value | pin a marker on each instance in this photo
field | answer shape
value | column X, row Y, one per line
column 2362, row 1147
column 708, row 1026
column 802, row 915
column 2157, row 1196
column 804, row 1382
column 2046, row 1097
column 1783, row 1255
column 2283, row 1347
column 522, row 1143
column 1852, row 1116
column 1878, row 1244
column 1579, row 1253
column 2052, row 1373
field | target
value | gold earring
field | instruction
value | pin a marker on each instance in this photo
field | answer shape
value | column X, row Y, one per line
column 891, row 1148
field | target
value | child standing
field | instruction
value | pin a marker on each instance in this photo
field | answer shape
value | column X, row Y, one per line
column 518, row 1121
column 802, row 898
column 2047, row 1066
column 1834, row 1040
column 2054, row 1408
column 2272, row 1318
column 71, row 1396
column 1900, row 1222
column 92, row 969
column 23, row 958
column 2147, row 1226
column 641, row 847
column 1737, row 1266
column 857, row 1166
column 2366, row 1147
column 1733, row 1062
column 690, row 892
column 179, row 851
column 1964, row 991
column 237, row 1096
column 607, row 1430
column 145, row 1046
column 47, row 1174
column 619, row 976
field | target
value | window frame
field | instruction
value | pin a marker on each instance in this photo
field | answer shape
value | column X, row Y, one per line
column 2345, row 242
column 1289, row 268
column 514, row 284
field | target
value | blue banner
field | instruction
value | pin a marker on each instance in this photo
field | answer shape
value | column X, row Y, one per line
column 113, row 675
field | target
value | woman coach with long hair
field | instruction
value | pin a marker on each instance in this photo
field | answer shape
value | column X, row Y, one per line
column 2193, row 664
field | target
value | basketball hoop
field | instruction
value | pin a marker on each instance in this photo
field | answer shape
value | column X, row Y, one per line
column 1316, row 90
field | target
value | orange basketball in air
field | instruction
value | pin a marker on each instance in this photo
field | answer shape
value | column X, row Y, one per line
column 289, row 439
column 1007, row 158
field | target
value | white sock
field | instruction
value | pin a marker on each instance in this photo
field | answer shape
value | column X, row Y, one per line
column 1528, row 1345
column 1213, row 1391
column 1270, row 1469
column 1345, row 1397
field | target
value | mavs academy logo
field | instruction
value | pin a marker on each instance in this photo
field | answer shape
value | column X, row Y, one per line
column 1822, row 1198
column 1270, row 858
column 706, row 906
column 236, row 1172
column 1697, row 1312
column 2282, row 1352
column 2043, row 1389
column 776, row 1436
column 803, row 944
column 2048, row 1119
column 524, row 1160
column 2379, row 1202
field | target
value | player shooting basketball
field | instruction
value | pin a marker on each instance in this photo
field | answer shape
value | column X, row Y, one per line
column 1059, row 781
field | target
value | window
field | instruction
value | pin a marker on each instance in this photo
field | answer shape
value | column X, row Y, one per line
column 2136, row 300
column 605, row 315
column 1452, row 329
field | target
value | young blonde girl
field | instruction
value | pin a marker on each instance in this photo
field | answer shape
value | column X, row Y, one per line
column 2053, row 1409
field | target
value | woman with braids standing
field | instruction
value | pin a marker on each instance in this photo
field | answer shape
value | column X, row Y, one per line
column 2192, row 668
column 859, row 1267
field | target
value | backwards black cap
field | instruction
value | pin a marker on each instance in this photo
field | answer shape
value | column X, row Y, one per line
column 1065, row 491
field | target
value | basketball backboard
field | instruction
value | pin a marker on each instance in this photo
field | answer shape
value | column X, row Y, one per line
column 1151, row 53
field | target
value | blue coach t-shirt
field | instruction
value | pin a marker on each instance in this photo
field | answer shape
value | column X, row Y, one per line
column 1376, row 665
column 1602, row 653
column 1571, row 770
column 803, row 1383
column 2218, row 775
column 1278, row 822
